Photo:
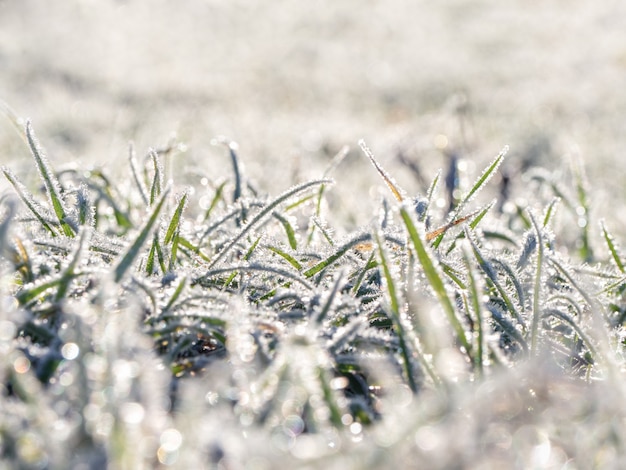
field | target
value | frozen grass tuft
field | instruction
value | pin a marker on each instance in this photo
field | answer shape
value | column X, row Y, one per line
column 257, row 337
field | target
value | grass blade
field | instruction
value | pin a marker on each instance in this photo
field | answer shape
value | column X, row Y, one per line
column 395, row 314
column 157, row 181
column 264, row 212
column 133, row 251
column 337, row 254
column 613, row 248
column 291, row 233
column 483, row 179
column 475, row 296
column 536, row 314
column 175, row 222
column 393, row 186
column 135, row 171
column 287, row 257
column 28, row 199
column 435, row 280
column 50, row 182
column 69, row 272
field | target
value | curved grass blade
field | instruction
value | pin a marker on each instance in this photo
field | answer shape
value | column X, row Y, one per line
column 133, row 251
column 253, row 267
column 264, row 212
column 50, row 182
column 234, row 159
column 28, row 199
column 491, row 273
column 435, row 280
column 291, row 233
column 570, row 321
column 342, row 250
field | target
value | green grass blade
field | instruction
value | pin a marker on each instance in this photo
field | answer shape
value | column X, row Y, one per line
column 50, row 182
column 550, row 211
column 216, row 199
column 537, row 289
column 179, row 289
column 175, row 222
column 431, row 270
column 286, row 256
column 582, row 211
column 173, row 252
column 342, row 250
column 133, row 251
column 262, row 214
column 483, row 179
column 475, row 295
column 157, row 180
column 254, row 268
column 28, row 199
column 390, row 283
column 289, row 230
column 613, row 248
column 135, row 172
column 69, row 272
column 369, row 264
column 491, row 273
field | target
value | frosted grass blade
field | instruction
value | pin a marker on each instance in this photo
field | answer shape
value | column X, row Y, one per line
column 550, row 211
column 175, row 222
column 393, row 186
column 491, row 273
column 157, row 180
column 133, row 251
column 287, row 257
column 179, row 289
column 483, row 179
column 291, row 233
column 405, row 352
column 135, row 171
column 28, row 199
column 327, row 307
column 613, row 248
column 263, row 213
column 537, row 289
column 50, row 182
column 435, row 280
column 475, row 296
column 342, row 250
column 70, row 272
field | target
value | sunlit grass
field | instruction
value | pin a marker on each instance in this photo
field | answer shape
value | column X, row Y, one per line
column 255, row 336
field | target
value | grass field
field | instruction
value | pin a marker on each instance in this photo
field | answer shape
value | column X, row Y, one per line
column 446, row 293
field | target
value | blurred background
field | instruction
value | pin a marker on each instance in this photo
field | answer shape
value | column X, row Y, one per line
column 292, row 82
